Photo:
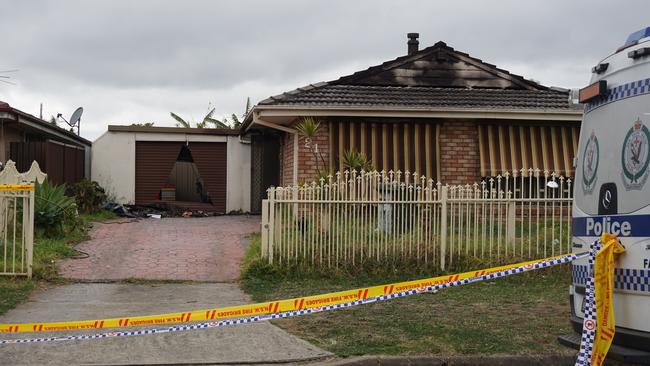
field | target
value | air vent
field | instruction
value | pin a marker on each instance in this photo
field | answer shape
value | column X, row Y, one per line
column 638, row 53
column 600, row 68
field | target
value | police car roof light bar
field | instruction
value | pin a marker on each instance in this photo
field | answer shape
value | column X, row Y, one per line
column 634, row 38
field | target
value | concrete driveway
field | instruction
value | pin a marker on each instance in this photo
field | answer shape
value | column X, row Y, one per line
column 256, row 343
column 200, row 249
column 206, row 249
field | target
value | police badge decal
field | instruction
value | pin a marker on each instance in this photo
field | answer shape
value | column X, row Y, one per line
column 590, row 164
column 635, row 156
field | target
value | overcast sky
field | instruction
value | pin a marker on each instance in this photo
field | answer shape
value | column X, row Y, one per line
column 135, row 61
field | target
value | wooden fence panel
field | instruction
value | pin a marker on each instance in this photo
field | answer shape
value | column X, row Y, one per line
column 63, row 163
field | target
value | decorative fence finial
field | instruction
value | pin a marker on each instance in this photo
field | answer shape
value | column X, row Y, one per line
column 11, row 175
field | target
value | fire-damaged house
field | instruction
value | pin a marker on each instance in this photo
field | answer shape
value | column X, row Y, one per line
column 437, row 111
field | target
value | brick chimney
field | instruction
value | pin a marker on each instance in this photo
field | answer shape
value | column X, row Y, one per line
column 413, row 43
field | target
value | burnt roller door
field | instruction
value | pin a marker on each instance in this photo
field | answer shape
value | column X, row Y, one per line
column 210, row 159
column 154, row 162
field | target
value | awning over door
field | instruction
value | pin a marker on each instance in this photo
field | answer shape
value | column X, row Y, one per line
column 506, row 148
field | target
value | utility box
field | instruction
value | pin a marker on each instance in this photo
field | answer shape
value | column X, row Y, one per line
column 387, row 192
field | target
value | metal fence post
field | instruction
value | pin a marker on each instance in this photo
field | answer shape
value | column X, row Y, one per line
column 271, row 223
column 443, row 225
column 510, row 223
column 30, row 233
column 265, row 228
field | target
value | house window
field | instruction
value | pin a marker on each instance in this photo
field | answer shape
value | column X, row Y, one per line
column 508, row 148
column 391, row 145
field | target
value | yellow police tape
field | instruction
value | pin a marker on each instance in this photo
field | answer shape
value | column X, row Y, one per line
column 603, row 288
column 16, row 187
column 255, row 309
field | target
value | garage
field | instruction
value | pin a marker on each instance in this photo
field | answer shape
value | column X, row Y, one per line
column 190, row 168
column 189, row 174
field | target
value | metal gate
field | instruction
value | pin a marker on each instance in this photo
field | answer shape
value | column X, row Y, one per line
column 16, row 229
column 17, row 219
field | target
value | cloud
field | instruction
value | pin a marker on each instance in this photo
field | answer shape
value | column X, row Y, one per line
column 135, row 61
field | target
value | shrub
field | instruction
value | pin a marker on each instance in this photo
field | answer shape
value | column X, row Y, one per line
column 354, row 160
column 88, row 195
column 308, row 128
column 53, row 209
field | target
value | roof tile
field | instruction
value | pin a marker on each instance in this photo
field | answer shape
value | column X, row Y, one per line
column 424, row 97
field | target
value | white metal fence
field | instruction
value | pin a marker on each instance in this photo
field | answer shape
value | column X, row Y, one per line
column 16, row 229
column 17, row 219
column 394, row 218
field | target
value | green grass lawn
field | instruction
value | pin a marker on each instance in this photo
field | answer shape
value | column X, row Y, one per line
column 13, row 291
column 522, row 314
column 47, row 251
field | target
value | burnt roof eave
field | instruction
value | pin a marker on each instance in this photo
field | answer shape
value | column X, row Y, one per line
column 568, row 114
column 549, row 115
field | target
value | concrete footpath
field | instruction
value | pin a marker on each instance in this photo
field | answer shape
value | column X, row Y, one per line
column 458, row 360
column 244, row 344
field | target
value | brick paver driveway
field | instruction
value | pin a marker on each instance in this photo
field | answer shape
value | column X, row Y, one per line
column 197, row 249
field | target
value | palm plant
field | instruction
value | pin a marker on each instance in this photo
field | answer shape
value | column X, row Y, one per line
column 354, row 160
column 308, row 128
column 207, row 121
column 235, row 122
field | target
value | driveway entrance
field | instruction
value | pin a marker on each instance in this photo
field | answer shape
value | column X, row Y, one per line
column 198, row 249
column 206, row 249
column 254, row 343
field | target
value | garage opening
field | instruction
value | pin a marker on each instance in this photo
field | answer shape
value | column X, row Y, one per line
column 189, row 175
column 184, row 182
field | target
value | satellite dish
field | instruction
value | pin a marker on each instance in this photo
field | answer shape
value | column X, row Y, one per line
column 76, row 117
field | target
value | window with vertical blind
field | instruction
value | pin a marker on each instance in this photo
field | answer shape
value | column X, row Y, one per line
column 506, row 147
column 401, row 145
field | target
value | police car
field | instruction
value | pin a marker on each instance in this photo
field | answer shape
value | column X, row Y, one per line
column 612, row 191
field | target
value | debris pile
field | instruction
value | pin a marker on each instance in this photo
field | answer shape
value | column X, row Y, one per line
column 156, row 211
